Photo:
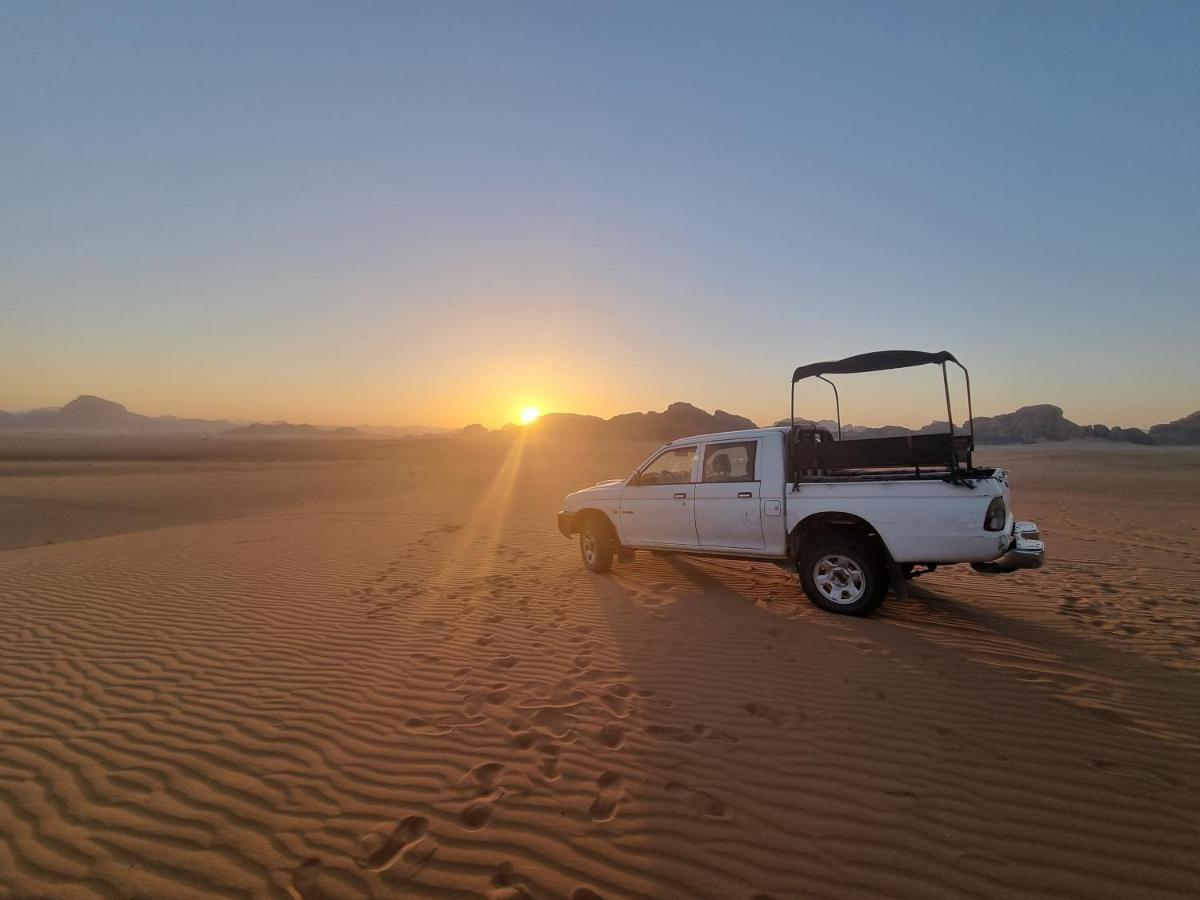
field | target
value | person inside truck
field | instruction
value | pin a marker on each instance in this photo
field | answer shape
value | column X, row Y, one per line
column 721, row 470
column 730, row 462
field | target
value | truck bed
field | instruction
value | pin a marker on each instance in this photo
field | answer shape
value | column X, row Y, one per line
column 816, row 456
column 855, row 475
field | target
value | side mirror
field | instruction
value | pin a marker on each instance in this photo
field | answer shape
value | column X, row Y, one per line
column 634, row 479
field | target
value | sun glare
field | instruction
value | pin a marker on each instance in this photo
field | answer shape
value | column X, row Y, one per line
column 529, row 413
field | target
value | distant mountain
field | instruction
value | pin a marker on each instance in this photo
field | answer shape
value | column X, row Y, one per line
column 89, row 414
column 1030, row 424
column 404, row 430
column 1181, row 431
column 288, row 430
column 677, row 420
column 94, row 415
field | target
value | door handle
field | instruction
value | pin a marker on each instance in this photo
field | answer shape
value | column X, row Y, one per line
column 744, row 495
column 681, row 496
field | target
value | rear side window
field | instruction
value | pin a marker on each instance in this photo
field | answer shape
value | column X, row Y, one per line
column 730, row 462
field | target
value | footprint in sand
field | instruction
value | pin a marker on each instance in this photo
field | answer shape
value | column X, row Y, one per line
column 671, row 733
column 305, row 881
column 611, row 736
column 548, row 765
column 773, row 715
column 608, row 795
column 498, row 695
column 702, row 802
column 381, row 849
column 618, row 706
column 476, row 815
column 505, row 662
column 555, row 721
column 486, row 777
column 506, row 885
column 715, row 734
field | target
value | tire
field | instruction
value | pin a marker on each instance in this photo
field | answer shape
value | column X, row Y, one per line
column 597, row 544
column 843, row 574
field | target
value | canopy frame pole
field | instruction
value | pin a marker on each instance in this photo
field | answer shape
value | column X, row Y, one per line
column 970, row 410
column 950, row 418
column 837, row 402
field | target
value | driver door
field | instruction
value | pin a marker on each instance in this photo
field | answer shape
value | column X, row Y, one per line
column 658, row 504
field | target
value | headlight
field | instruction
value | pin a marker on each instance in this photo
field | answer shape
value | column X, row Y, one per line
column 993, row 520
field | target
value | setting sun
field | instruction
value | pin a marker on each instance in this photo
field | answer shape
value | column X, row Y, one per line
column 529, row 413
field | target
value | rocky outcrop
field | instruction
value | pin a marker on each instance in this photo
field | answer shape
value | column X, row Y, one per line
column 1181, row 431
column 1028, row 424
column 676, row 421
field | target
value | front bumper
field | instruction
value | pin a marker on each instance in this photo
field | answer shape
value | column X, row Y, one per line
column 1026, row 552
column 566, row 523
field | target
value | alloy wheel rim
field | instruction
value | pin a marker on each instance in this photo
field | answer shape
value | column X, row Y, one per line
column 840, row 579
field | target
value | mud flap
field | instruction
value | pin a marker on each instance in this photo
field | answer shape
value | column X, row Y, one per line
column 898, row 583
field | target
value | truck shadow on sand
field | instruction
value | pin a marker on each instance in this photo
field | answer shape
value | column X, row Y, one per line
column 959, row 637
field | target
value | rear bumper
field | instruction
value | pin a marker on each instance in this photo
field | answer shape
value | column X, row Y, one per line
column 1026, row 551
column 566, row 523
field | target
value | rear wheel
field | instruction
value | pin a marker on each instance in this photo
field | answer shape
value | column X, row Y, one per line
column 843, row 574
column 597, row 544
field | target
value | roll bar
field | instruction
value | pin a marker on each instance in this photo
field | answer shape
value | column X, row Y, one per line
column 879, row 361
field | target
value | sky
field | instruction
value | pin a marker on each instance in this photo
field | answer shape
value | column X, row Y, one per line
column 440, row 213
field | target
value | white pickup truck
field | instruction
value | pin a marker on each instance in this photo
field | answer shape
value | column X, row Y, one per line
column 850, row 516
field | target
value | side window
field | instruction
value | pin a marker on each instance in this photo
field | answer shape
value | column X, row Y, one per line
column 672, row 466
column 730, row 462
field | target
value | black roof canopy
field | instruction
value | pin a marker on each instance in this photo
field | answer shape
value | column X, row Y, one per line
column 878, row 361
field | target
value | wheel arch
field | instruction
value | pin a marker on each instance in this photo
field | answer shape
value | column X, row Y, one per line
column 826, row 522
column 590, row 512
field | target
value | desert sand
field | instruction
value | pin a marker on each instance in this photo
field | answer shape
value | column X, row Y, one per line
column 377, row 670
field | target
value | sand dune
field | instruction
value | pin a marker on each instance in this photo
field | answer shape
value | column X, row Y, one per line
column 393, row 678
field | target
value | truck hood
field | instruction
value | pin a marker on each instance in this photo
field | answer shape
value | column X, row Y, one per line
column 603, row 490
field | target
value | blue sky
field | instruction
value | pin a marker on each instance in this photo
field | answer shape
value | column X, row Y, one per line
column 439, row 213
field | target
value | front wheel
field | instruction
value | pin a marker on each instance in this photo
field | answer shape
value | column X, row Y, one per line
column 596, row 544
column 843, row 574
